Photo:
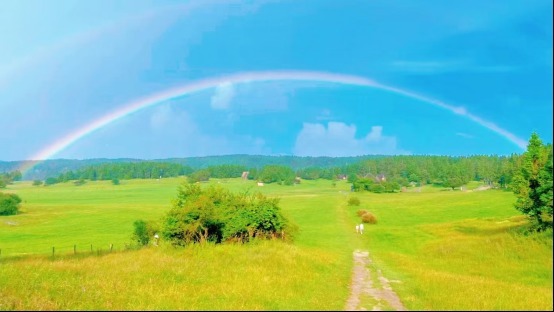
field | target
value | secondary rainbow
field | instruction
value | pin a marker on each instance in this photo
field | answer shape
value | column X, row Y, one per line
column 251, row 77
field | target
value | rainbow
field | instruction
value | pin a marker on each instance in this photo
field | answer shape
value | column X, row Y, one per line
column 250, row 77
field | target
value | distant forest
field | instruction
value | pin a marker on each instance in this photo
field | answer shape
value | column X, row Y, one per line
column 55, row 167
column 391, row 172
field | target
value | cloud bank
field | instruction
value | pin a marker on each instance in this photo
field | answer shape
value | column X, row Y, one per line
column 339, row 139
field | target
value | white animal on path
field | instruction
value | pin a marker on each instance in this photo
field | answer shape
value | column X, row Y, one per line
column 361, row 228
column 357, row 228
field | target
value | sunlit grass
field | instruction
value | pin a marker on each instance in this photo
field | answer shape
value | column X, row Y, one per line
column 462, row 251
column 263, row 276
column 441, row 250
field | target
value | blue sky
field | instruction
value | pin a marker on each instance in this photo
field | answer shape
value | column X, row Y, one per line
column 66, row 63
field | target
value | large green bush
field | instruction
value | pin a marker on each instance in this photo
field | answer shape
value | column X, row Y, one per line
column 214, row 214
column 9, row 204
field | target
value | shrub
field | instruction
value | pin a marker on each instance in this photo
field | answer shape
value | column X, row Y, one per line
column 115, row 181
column 214, row 214
column 361, row 212
column 144, row 231
column 9, row 204
column 368, row 217
column 353, row 201
column 37, row 182
column 140, row 234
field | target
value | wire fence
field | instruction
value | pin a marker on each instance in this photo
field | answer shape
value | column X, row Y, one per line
column 65, row 251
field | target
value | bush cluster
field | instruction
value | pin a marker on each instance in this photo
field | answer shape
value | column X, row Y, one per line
column 366, row 216
column 214, row 214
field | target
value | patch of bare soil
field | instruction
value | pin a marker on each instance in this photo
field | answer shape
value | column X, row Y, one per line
column 379, row 296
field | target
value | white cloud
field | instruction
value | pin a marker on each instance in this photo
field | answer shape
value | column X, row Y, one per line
column 339, row 139
column 223, row 95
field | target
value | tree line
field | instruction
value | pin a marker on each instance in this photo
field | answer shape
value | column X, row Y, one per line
column 380, row 173
column 41, row 170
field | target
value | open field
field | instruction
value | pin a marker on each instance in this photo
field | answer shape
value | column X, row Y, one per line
column 441, row 250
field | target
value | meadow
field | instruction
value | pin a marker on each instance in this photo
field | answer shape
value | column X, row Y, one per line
column 441, row 250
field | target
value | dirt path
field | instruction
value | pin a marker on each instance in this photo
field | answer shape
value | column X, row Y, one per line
column 369, row 292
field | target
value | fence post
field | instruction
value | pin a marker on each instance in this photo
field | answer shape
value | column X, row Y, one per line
column 91, row 248
column 111, row 247
column 53, row 250
column 74, row 249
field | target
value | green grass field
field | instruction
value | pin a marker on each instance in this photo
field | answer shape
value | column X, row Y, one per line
column 441, row 250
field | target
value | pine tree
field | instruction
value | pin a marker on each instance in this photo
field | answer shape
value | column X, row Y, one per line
column 533, row 183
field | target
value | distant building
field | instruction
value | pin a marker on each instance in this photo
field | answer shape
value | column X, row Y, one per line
column 380, row 178
column 342, row 176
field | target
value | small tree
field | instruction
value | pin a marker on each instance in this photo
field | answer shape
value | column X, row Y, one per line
column 140, row 233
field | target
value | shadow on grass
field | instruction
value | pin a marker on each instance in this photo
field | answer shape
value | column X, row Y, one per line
column 519, row 225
